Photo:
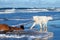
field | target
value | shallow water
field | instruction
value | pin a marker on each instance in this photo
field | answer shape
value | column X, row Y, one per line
column 53, row 26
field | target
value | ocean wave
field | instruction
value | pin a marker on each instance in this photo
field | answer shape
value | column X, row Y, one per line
column 7, row 11
column 11, row 36
column 14, row 19
column 28, row 34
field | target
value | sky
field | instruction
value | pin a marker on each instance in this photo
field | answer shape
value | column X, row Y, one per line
column 29, row 3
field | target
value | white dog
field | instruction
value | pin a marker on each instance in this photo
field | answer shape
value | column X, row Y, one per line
column 42, row 21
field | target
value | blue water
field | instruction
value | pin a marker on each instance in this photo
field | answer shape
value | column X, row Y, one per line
column 53, row 26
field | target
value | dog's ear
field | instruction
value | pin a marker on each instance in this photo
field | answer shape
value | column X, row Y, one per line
column 22, row 26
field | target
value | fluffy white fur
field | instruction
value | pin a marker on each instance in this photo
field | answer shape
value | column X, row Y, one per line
column 42, row 21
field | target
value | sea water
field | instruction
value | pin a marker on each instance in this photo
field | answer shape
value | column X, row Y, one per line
column 53, row 26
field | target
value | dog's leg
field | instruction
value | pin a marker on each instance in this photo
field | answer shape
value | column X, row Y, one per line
column 41, row 28
column 45, row 27
column 33, row 25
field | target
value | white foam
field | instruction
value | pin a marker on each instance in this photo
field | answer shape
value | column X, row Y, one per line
column 34, row 10
column 8, row 11
column 11, row 36
column 45, row 36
